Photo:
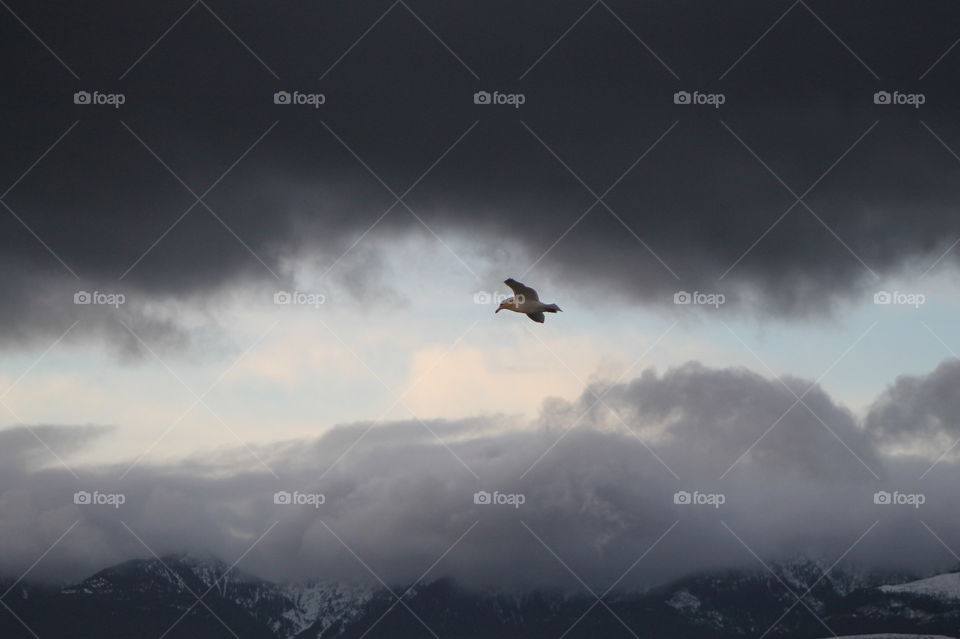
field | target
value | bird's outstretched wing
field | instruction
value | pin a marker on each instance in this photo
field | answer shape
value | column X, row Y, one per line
column 536, row 317
column 520, row 289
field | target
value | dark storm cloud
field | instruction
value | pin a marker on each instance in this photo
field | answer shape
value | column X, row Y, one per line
column 201, row 100
column 599, row 498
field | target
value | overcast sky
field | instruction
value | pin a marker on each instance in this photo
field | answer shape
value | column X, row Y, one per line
column 733, row 205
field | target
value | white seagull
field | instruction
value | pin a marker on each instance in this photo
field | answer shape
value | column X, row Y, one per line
column 525, row 300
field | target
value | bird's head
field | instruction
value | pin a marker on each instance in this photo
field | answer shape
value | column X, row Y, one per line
column 505, row 304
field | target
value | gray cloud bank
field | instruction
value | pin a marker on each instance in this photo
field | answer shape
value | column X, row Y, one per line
column 599, row 495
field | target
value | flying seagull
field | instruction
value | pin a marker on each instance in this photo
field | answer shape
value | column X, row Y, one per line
column 525, row 300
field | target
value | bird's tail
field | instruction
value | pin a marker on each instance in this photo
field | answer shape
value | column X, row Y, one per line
column 552, row 308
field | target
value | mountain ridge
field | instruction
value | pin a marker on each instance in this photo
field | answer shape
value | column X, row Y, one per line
column 159, row 596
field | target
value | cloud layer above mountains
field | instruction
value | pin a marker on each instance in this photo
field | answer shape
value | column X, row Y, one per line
column 598, row 479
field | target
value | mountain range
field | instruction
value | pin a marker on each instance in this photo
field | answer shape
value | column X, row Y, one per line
column 183, row 596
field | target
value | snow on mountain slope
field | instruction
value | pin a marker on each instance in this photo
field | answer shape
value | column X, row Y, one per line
column 321, row 605
column 893, row 636
column 946, row 586
column 287, row 608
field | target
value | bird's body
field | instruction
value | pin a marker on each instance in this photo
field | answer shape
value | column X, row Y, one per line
column 525, row 300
